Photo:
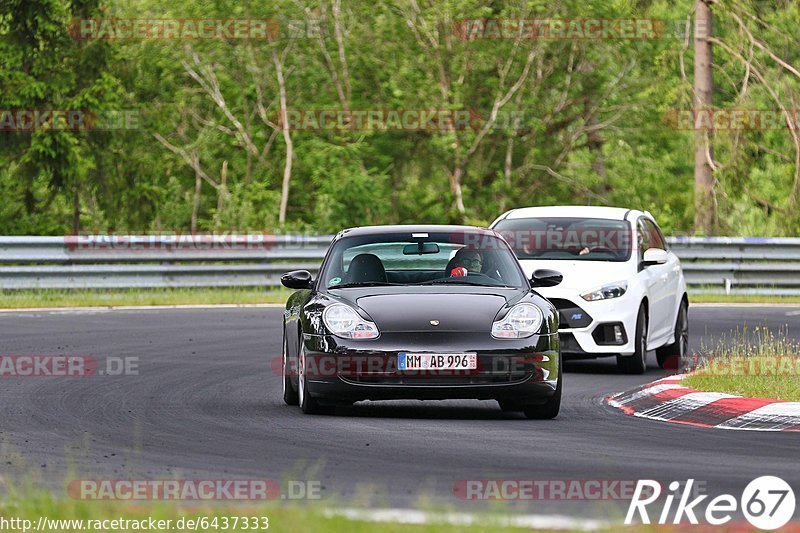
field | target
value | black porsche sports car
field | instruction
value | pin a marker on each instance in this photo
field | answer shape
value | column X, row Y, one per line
column 421, row 312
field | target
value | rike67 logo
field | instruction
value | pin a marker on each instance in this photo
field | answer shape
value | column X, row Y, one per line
column 767, row 503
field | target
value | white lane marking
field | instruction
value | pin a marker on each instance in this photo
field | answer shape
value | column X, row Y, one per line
column 793, row 313
column 414, row 516
column 674, row 377
column 649, row 391
column 683, row 405
column 771, row 417
column 97, row 309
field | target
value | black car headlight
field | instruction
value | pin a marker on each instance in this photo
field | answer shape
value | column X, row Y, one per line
column 343, row 321
column 523, row 320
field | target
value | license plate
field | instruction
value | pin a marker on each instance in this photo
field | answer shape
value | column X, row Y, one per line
column 437, row 361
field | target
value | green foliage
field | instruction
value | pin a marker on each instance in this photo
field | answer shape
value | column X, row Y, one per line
column 593, row 114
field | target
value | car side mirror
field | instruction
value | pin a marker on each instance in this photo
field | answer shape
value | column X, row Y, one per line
column 545, row 277
column 654, row 256
column 297, row 279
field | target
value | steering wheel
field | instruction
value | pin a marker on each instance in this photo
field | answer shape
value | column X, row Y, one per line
column 600, row 249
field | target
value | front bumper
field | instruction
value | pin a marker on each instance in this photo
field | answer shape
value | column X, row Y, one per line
column 587, row 328
column 524, row 371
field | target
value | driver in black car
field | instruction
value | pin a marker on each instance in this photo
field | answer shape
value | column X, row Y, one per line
column 466, row 261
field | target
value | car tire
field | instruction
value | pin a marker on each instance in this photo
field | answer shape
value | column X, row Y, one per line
column 671, row 355
column 290, row 396
column 636, row 363
column 550, row 408
column 308, row 404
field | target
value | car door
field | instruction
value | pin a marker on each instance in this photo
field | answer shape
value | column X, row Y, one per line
column 673, row 272
column 656, row 279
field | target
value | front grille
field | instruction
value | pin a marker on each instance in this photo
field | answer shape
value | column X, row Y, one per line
column 491, row 371
column 570, row 315
column 440, row 381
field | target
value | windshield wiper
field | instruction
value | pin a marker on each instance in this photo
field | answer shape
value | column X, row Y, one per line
column 362, row 284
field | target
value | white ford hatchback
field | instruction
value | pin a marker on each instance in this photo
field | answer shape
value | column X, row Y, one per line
column 623, row 291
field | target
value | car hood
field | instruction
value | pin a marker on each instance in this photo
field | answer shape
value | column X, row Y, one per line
column 579, row 275
column 457, row 308
column 414, row 312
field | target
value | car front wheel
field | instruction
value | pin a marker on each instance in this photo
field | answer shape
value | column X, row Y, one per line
column 671, row 355
column 551, row 407
column 289, row 392
column 308, row 404
column 636, row 363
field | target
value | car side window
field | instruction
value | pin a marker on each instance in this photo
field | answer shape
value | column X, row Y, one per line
column 656, row 237
column 643, row 237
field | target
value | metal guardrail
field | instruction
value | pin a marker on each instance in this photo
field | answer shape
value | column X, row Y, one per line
column 151, row 261
column 711, row 264
column 740, row 265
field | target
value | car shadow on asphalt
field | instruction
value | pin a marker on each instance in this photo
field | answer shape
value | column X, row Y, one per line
column 487, row 409
column 431, row 409
column 608, row 366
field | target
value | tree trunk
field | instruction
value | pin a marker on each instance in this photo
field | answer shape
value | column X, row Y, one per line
column 507, row 169
column 455, row 188
column 222, row 192
column 198, row 182
column 287, row 137
column 594, row 141
column 704, row 204
column 76, row 211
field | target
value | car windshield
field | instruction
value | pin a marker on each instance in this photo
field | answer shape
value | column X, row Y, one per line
column 467, row 258
column 583, row 239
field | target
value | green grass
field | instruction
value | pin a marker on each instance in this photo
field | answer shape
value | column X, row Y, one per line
column 755, row 363
column 12, row 299
column 104, row 298
column 32, row 504
column 742, row 299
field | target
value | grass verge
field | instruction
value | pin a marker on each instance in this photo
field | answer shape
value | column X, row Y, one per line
column 66, row 515
column 118, row 297
column 756, row 363
column 703, row 298
column 16, row 299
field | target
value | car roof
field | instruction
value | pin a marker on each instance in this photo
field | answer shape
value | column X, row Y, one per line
column 580, row 211
column 413, row 228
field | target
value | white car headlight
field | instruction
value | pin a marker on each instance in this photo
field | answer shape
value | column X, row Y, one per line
column 523, row 320
column 343, row 321
column 606, row 292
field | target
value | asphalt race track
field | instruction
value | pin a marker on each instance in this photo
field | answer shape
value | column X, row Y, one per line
column 206, row 405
